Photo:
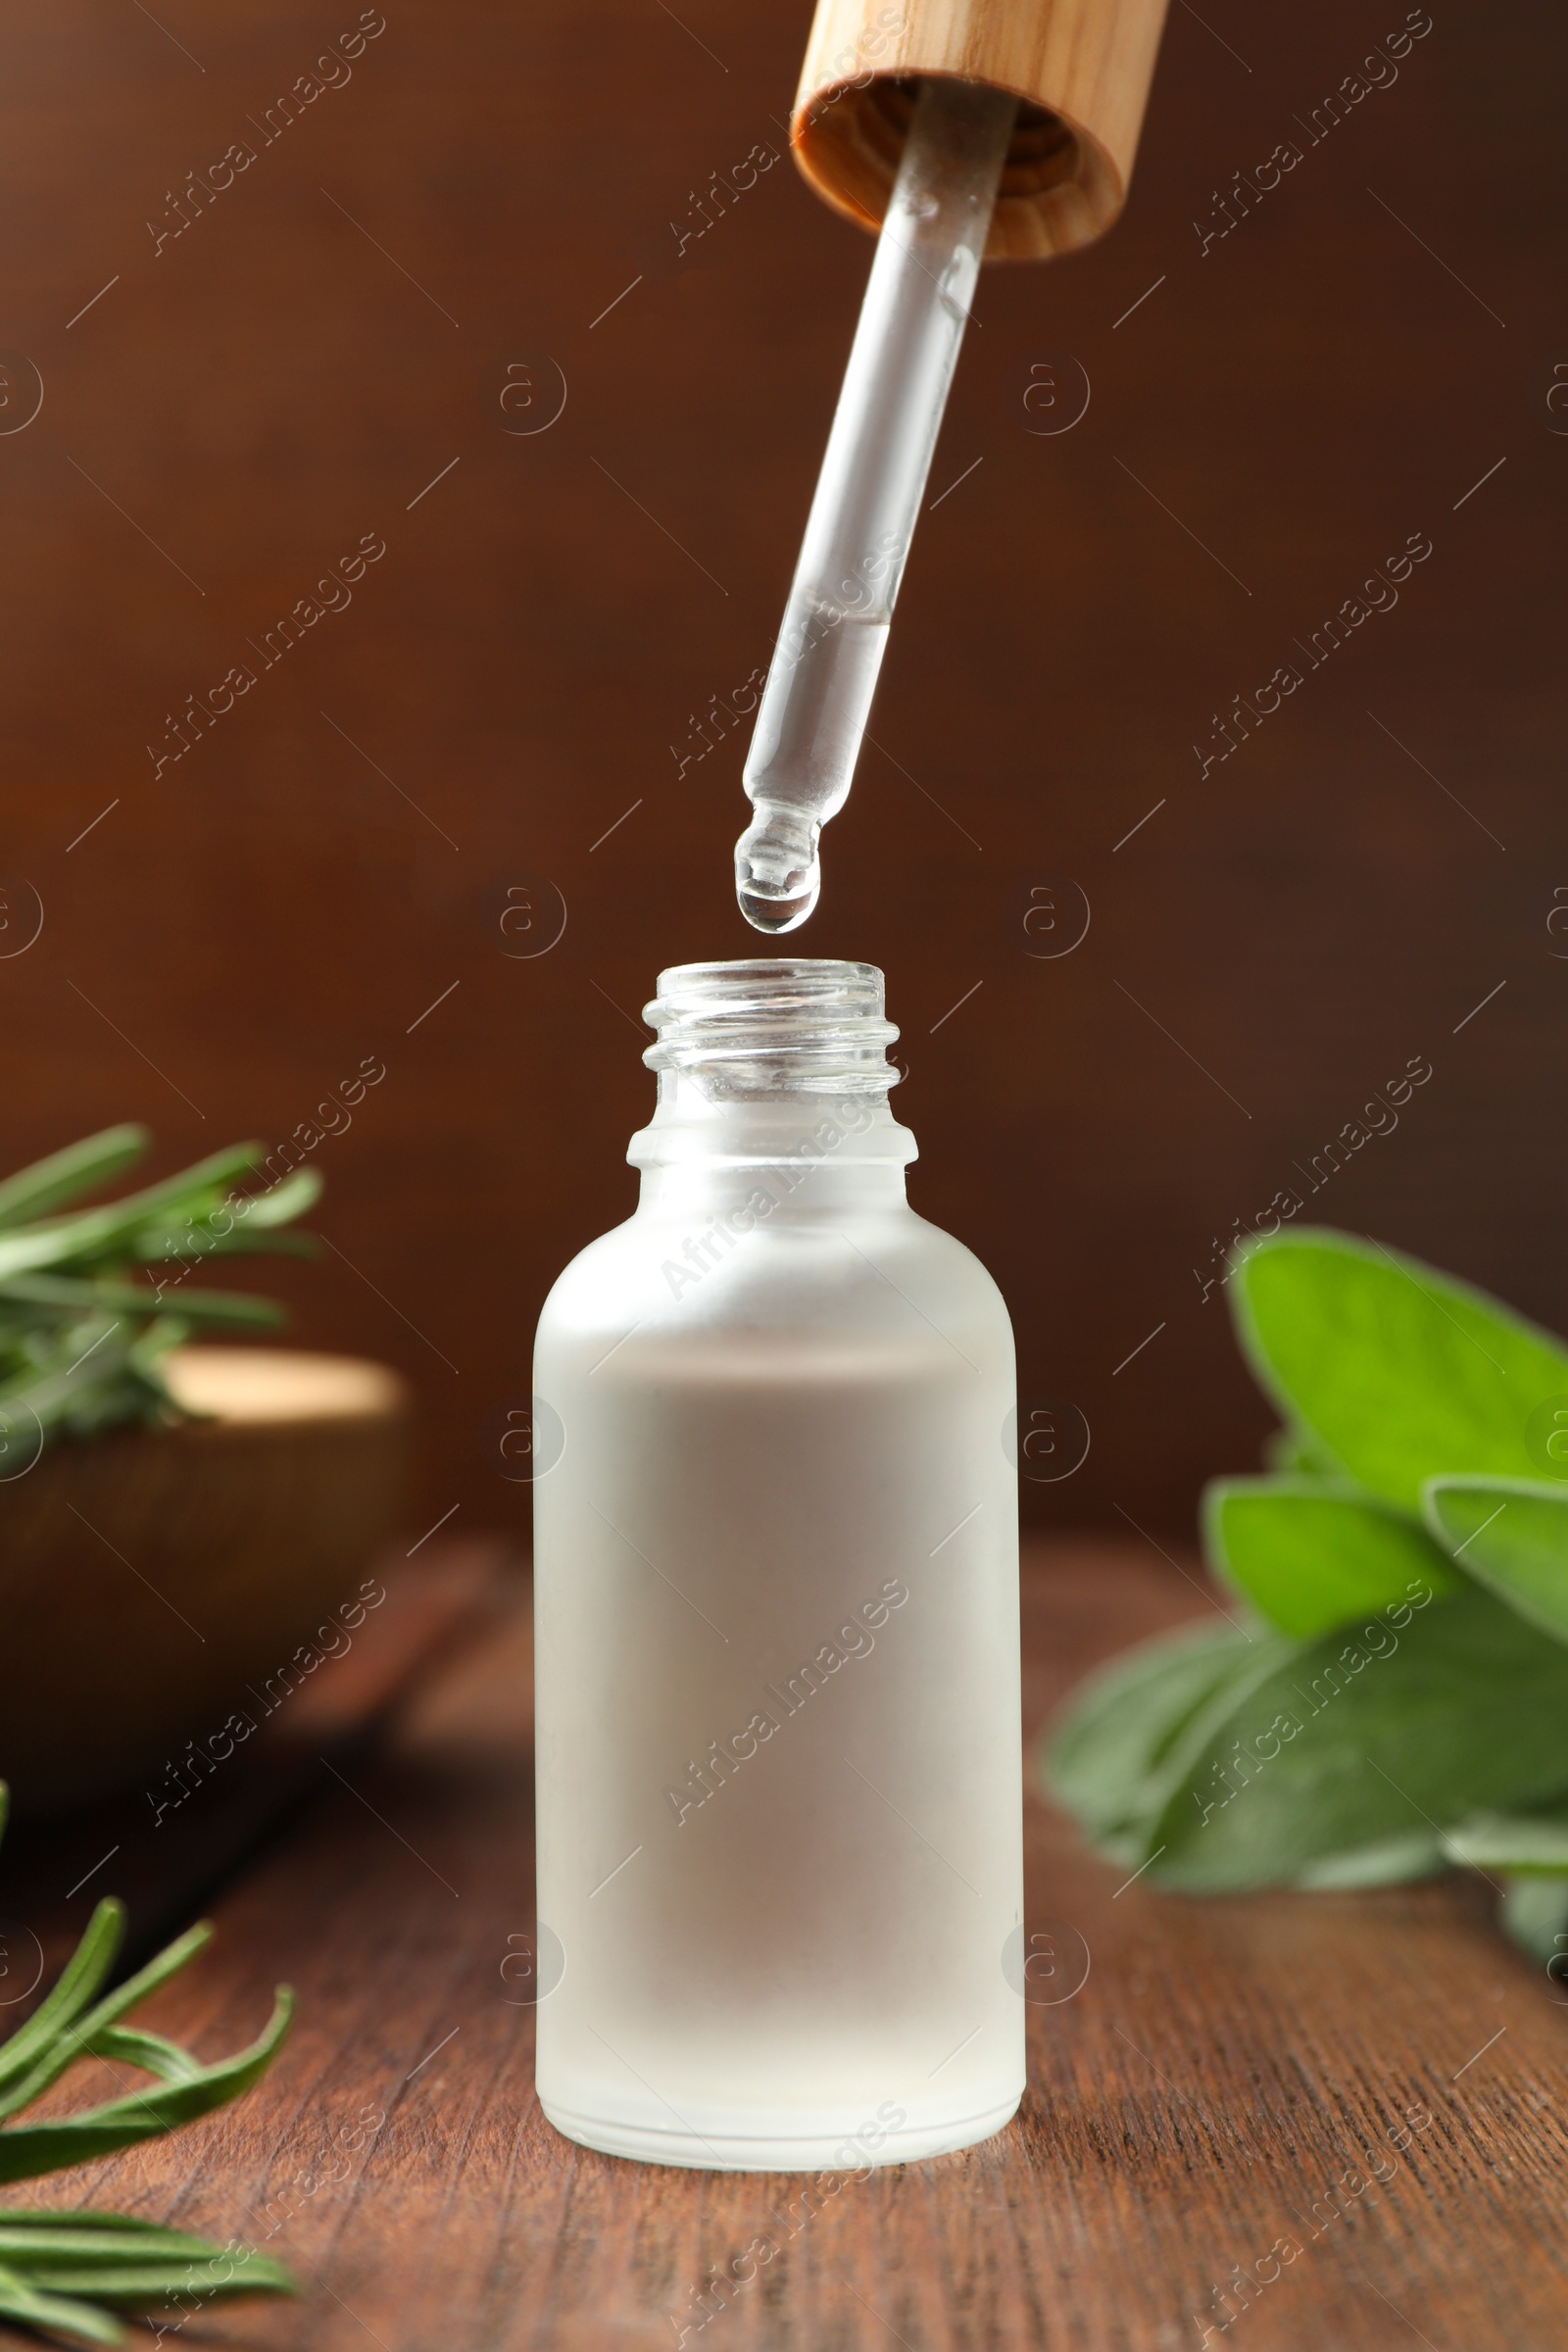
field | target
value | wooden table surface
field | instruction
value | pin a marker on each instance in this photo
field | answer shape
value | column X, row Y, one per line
column 1345, row 2109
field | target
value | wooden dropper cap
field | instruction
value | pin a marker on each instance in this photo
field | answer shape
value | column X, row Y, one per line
column 1081, row 70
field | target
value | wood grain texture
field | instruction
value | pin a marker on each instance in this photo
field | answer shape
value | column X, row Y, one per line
column 1231, row 2075
column 1081, row 67
column 161, row 1853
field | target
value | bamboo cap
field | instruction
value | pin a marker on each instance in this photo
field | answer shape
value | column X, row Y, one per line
column 1081, row 70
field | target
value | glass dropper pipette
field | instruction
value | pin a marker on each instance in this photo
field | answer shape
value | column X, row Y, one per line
column 829, row 650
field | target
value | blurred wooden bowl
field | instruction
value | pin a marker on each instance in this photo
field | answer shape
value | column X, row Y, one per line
column 148, row 1576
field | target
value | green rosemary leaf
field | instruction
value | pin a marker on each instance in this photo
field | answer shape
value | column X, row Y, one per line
column 60, row 1295
column 145, row 1355
column 245, row 1242
column 29, row 2149
column 99, row 1232
column 81, row 1338
column 150, row 2051
column 65, row 1176
column 119, row 2258
column 77, row 1379
column 73, row 2034
column 196, row 1225
column 86, row 1970
column 60, row 2271
column 290, row 1196
column 24, row 2305
column 156, row 1971
column 33, row 2232
column 155, row 2285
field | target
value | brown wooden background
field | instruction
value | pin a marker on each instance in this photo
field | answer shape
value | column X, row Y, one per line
column 238, row 407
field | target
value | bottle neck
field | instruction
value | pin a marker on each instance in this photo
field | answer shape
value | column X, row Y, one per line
column 812, row 1154
column 773, row 1079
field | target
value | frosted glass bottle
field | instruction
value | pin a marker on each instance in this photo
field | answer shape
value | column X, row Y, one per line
column 776, row 1558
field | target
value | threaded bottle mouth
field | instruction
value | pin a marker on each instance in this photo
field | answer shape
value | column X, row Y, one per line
column 771, row 1025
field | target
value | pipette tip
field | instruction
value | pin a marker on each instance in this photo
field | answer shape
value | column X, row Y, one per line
column 778, row 872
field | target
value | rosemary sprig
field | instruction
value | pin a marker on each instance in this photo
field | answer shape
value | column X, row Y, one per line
column 92, row 1299
column 67, row 2274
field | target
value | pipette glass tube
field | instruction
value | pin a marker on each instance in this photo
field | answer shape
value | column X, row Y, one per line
column 824, row 669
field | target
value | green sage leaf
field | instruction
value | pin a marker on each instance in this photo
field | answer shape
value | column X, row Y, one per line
column 1521, row 1845
column 1110, row 1757
column 1387, row 1862
column 1535, row 1914
column 1397, row 1373
column 1512, row 1536
column 1310, row 1560
column 1411, row 1722
column 1292, row 1453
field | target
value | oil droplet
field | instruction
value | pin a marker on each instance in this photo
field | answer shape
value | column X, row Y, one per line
column 778, row 872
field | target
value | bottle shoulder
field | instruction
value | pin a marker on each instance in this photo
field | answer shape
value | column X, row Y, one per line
column 676, row 1274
